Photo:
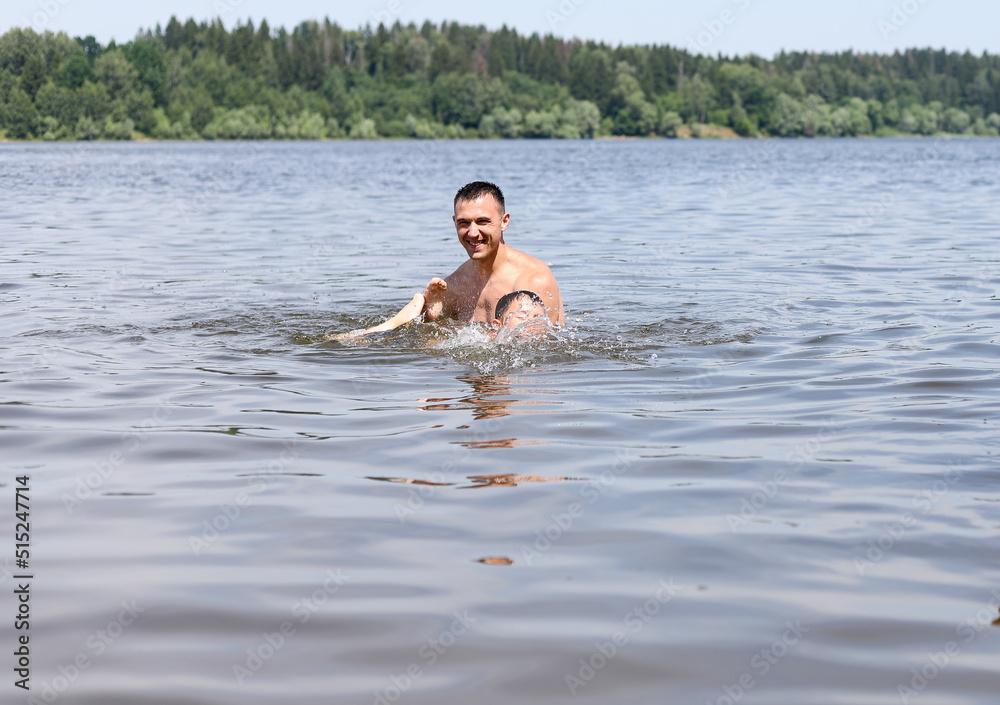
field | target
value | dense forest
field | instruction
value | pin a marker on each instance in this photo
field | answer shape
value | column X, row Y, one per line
column 199, row 80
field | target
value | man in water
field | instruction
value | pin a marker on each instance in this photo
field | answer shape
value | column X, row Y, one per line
column 493, row 269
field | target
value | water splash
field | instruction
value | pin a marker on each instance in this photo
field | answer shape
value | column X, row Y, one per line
column 588, row 336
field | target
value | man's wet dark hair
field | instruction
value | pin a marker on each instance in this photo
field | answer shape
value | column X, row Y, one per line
column 478, row 189
column 505, row 301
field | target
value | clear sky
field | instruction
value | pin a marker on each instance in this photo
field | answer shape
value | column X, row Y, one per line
column 731, row 27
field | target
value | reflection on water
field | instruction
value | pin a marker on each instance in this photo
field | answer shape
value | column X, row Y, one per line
column 490, row 398
column 500, row 480
column 501, row 443
column 510, row 480
column 496, row 560
column 763, row 449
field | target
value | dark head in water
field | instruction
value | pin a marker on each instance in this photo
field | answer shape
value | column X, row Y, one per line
column 516, row 307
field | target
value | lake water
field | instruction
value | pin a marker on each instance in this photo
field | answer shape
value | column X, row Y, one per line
column 760, row 464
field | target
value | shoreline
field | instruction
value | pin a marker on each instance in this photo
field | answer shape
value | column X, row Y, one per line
column 720, row 134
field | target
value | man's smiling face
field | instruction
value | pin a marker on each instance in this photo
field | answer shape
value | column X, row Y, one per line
column 480, row 225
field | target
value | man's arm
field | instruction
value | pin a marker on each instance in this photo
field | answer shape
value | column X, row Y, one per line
column 405, row 315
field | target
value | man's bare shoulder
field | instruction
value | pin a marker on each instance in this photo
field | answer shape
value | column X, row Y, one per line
column 526, row 265
column 533, row 274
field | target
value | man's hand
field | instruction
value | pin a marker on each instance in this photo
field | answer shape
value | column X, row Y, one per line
column 434, row 298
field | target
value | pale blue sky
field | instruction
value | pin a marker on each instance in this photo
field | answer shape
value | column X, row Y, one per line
column 728, row 26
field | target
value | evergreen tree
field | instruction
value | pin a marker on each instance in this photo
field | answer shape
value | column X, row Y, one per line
column 33, row 76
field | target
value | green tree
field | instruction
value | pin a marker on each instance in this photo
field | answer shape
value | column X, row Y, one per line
column 336, row 93
column 364, row 129
column 634, row 115
column 193, row 102
column 95, row 102
column 698, row 96
column 17, row 46
column 115, row 71
column 33, row 76
column 464, row 98
column 540, row 124
column 583, row 116
column 91, row 47
column 956, row 121
column 669, row 123
column 816, row 118
column 749, row 86
column 149, row 63
column 174, row 36
column 786, row 117
column 139, row 107
column 502, row 52
column 19, row 115
column 118, row 129
column 248, row 123
column 501, row 123
column 74, row 72
column 591, row 76
column 61, row 104
column 444, row 60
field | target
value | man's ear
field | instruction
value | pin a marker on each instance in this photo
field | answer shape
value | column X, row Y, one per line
column 496, row 323
column 504, row 222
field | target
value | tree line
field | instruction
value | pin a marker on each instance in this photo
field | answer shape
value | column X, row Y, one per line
column 196, row 80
